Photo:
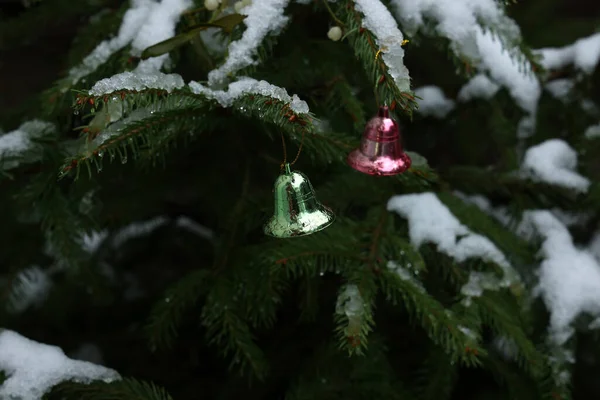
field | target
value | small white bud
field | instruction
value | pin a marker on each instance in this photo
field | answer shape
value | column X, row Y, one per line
column 335, row 33
column 211, row 5
column 238, row 6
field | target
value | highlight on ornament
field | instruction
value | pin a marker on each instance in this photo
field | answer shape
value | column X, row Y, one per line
column 297, row 210
column 380, row 152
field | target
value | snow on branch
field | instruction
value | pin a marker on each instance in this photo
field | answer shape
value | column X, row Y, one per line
column 250, row 86
column 569, row 278
column 459, row 21
column 584, row 54
column 34, row 368
column 29, row 288
column 263, row 17
column 479, row 87
column 379, row 21
column 430, row 221
column 137, row 81
column 146, row 23
column 554, row 162
column 433, row 102
column 17, row 142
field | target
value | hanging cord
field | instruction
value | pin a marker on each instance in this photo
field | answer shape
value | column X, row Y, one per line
column 285, row 150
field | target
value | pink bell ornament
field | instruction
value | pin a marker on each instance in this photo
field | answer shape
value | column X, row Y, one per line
column 380, row 152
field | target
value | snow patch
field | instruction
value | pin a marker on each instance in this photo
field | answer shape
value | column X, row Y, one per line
column 584, row 54
column 33, row 368
column 433, row 102
column 569, row 278
column 263, row 17
column 459, row 21
column 430, row 221
column 246, row 86
column 379, row 21
column 137, row 81
column 554, row 162
column 145, row 24
column 17, row 142
column 479, row 87
column 592, row 131
column 30, row 288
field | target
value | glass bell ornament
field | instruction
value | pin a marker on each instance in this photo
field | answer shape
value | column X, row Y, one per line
column 380, row 152
column 297, row 211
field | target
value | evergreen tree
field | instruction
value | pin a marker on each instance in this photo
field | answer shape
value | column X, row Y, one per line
column 136, row 187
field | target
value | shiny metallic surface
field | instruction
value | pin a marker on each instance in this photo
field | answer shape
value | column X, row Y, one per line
column 297, row 211
column 380, row 152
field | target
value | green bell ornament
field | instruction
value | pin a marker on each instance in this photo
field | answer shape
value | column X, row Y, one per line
column 297, row 211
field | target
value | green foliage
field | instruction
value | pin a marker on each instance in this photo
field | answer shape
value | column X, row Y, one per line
column 317, row 307
column 162, row 328
column 126, row 389
column 331, row 375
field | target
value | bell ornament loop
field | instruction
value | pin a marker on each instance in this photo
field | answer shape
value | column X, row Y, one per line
column 297, row 210
column 380, row 152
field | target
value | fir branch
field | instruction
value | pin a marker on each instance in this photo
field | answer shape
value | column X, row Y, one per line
column 498, row 311
column 354, row 315
column 126, row 389
column 299, row 127
column 365, row 48
column 508, row 188
column 57, row 99
column 518, row 385
column 145, row 132
column 329, row 374
column 478, row 221
column 341, row 95
column 442, row 328
column 228, row 330
column 330, row 250
column 165, row 317
column 437, row 376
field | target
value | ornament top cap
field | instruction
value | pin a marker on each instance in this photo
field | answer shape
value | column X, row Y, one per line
column 382, row 128
column 384, row 112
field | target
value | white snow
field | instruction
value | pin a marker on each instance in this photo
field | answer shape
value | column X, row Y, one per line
column 554, row 162
column 132, row 22
column 33, row 368
column 592, row 131
column 194, row 227
column 91, row 241
column 560, row 88
column 30, row 288
column 433, row 102
column 263, row 17
column 149, row 23
column 250, row 86
column 405, row 275
column 569, row 278
column 350, row 302
column 137, row 81
column 584, row 54
column 379, row 21
column 430, row 221
column 505, row 70
column 459, row 21
column 501, row 214
column 479, row 87
column 19, row 141
column 137, row 229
